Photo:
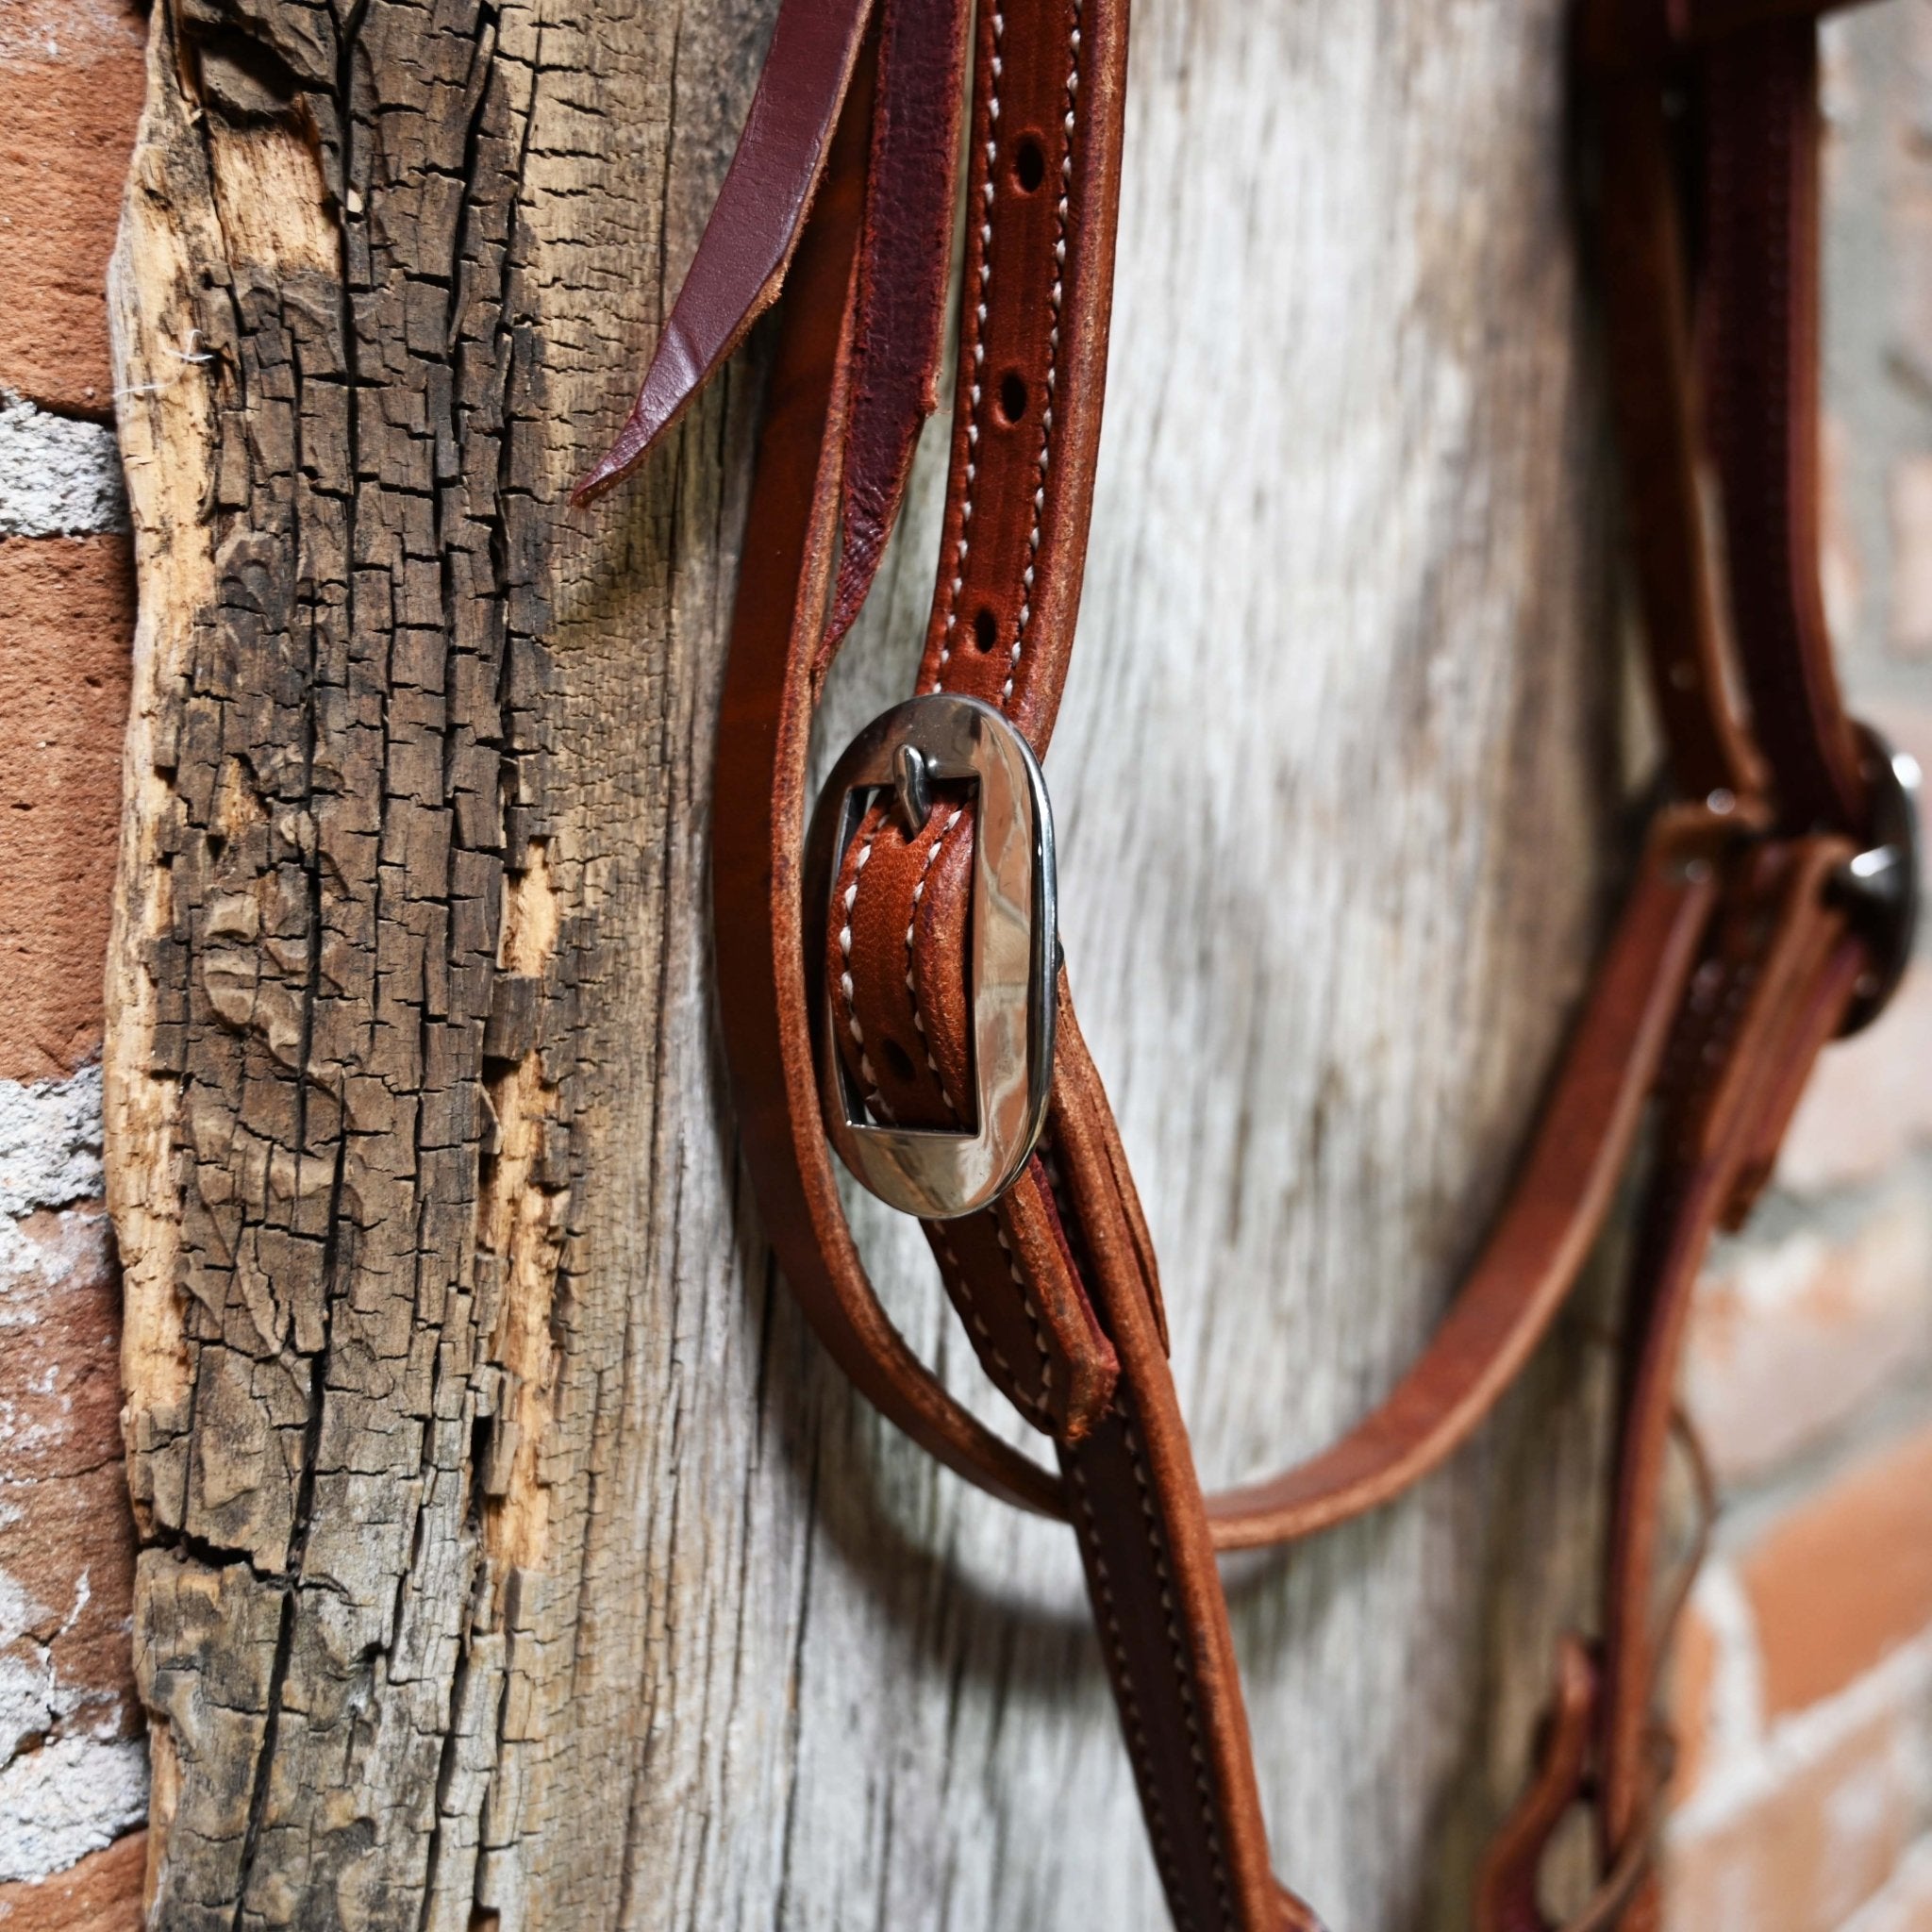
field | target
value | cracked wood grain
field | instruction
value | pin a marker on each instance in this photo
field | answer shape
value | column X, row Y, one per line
column 511, row 1557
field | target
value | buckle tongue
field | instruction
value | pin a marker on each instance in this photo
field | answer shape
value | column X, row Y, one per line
column 941, row 1174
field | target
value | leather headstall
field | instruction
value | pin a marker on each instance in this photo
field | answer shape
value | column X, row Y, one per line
column 891, row 987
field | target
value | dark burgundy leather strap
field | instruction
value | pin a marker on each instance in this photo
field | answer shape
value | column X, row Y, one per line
column 899, row 329
column 1759, row 365
column 1702, row 22
column 756, row 226
column 1157, row 1595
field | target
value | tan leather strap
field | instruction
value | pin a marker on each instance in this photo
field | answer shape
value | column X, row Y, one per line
column 899, row 305
column 1742, row 668
column 1057, row 1283
column 1639, row 249
column 1763, row 1008
column 758, row 822
column 1770, row 992
column 1161, row 1610
column 1545, row 1231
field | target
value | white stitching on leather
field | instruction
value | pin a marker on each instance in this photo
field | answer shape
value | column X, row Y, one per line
column 1130, row 1709
column 999, row 1234
column 873, row 1098
column 912, row 983
column 962, row 1283
column 965, row 539
column 1053, row 349
column 1189, row 1713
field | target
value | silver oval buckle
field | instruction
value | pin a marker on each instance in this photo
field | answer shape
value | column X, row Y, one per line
column 941, row 1174
column 1882, row 882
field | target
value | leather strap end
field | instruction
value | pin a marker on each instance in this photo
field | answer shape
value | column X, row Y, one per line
column 905, row 254
column 1508, row 1888
column 1089, row 1167
column 754, row 227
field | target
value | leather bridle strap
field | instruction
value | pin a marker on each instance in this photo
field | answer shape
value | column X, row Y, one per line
column 1772, row 992
column 1714, row 367
column 846, row 176
column 1714, row 370
column 1759, row 370
column 1055, row 1284
column 774, row 674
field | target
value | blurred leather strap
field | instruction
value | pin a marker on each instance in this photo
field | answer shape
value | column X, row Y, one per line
column 1729, row 964
column 1706, row 123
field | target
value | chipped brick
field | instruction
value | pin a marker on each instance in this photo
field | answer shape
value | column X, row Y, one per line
column 1845, row 1577
column 71, row 82
column 66, row 620
column 102, row 1893
column 1788, row 1339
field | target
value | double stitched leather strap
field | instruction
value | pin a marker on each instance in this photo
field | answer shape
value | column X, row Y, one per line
column 1054, row 1283
column 1728, row 967
column 1714, row 365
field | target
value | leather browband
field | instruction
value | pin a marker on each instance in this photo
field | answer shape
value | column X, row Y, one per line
column 1737, row 957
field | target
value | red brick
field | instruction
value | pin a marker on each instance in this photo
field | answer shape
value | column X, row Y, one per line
column 1808, row 1850
column 102, row 1893
column 1789, row 1342
column 66, row 1531
column 1845, row 1578
column 1693, row 1671
column 1870, row 1101
column 66, row 619
column 1906, row 1903
column 71, row 82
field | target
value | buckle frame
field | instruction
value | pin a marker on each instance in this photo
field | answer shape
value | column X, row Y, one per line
column 1882, row 882
column 940, row 1174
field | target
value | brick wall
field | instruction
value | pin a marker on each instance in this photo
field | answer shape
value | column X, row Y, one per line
column 73, row 1764
column 1804, row 1690
column 1804, row 1685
